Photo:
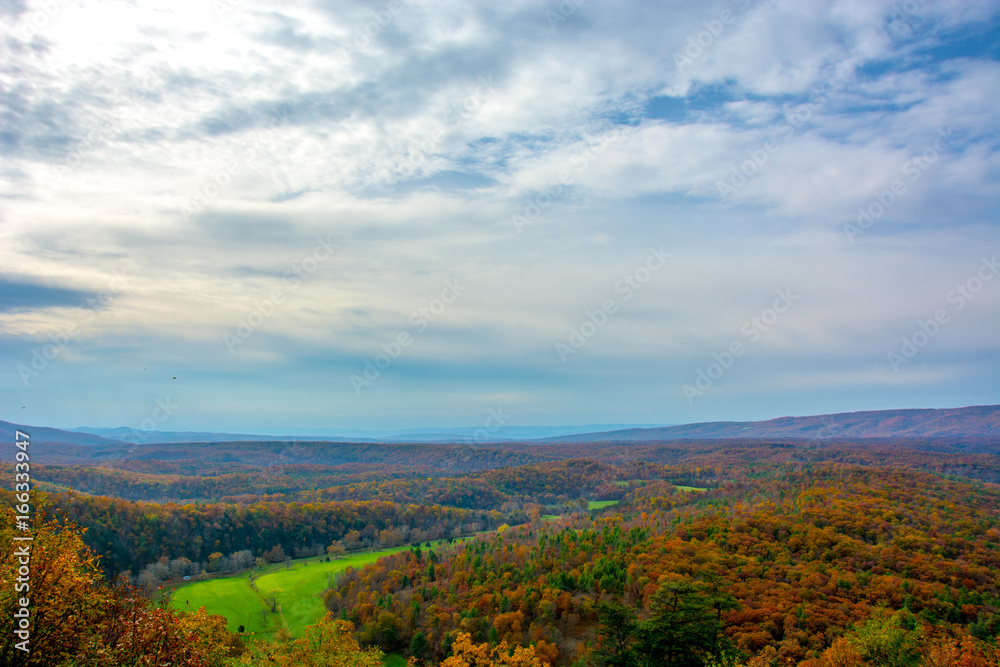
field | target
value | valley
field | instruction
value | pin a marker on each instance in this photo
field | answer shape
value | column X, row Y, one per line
column 805, row 548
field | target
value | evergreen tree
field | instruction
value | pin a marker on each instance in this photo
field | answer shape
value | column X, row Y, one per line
column 684, row 627
column 617, row 628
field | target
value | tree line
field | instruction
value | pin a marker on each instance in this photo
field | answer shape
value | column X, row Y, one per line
column 128, row 535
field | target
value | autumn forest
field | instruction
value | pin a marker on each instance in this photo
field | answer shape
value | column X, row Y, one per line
column 816, row 553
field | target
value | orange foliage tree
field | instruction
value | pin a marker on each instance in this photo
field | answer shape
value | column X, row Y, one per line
column 75, row 618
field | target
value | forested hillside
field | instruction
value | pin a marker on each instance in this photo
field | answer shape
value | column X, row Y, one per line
column 794, row 560
column 130, row 535
column 703, row 553
column 242, row 472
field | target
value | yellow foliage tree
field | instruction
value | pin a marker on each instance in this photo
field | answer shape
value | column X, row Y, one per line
column 75, row 618
column 59, row 580
column 326, row 643
column 467, row 654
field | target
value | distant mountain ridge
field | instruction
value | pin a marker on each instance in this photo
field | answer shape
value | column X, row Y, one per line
column 975, row 421
column 460, row 435
column 981, row 421
column 140, row 437
column 494, row 434
column 466, row 434
column 46, row 434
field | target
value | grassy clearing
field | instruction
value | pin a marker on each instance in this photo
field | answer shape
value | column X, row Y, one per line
column 600, row 504
column 394, row 660
column 230, row 597
column 682, row 487
column 297, row 589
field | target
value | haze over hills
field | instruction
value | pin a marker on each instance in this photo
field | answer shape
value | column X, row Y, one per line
column 139, row 437
column 504, row 433
column 970, row 422
column 468, row 434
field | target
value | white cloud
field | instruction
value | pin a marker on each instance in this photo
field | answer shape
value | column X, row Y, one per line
column 204, row 155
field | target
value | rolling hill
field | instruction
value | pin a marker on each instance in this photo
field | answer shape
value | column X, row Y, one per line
column 981, row 421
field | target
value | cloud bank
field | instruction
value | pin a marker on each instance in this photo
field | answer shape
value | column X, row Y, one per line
column 269, row 202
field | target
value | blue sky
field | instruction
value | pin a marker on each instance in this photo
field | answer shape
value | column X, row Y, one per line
column 254, row 216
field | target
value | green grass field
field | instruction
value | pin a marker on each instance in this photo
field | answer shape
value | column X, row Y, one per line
column 298, row 591
column 230, row 597
column 679, row 486
column 600, row 504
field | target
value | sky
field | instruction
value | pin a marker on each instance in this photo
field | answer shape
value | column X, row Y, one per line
column 265, row 217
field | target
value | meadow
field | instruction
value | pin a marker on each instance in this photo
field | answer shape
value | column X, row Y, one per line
column 296, row 590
